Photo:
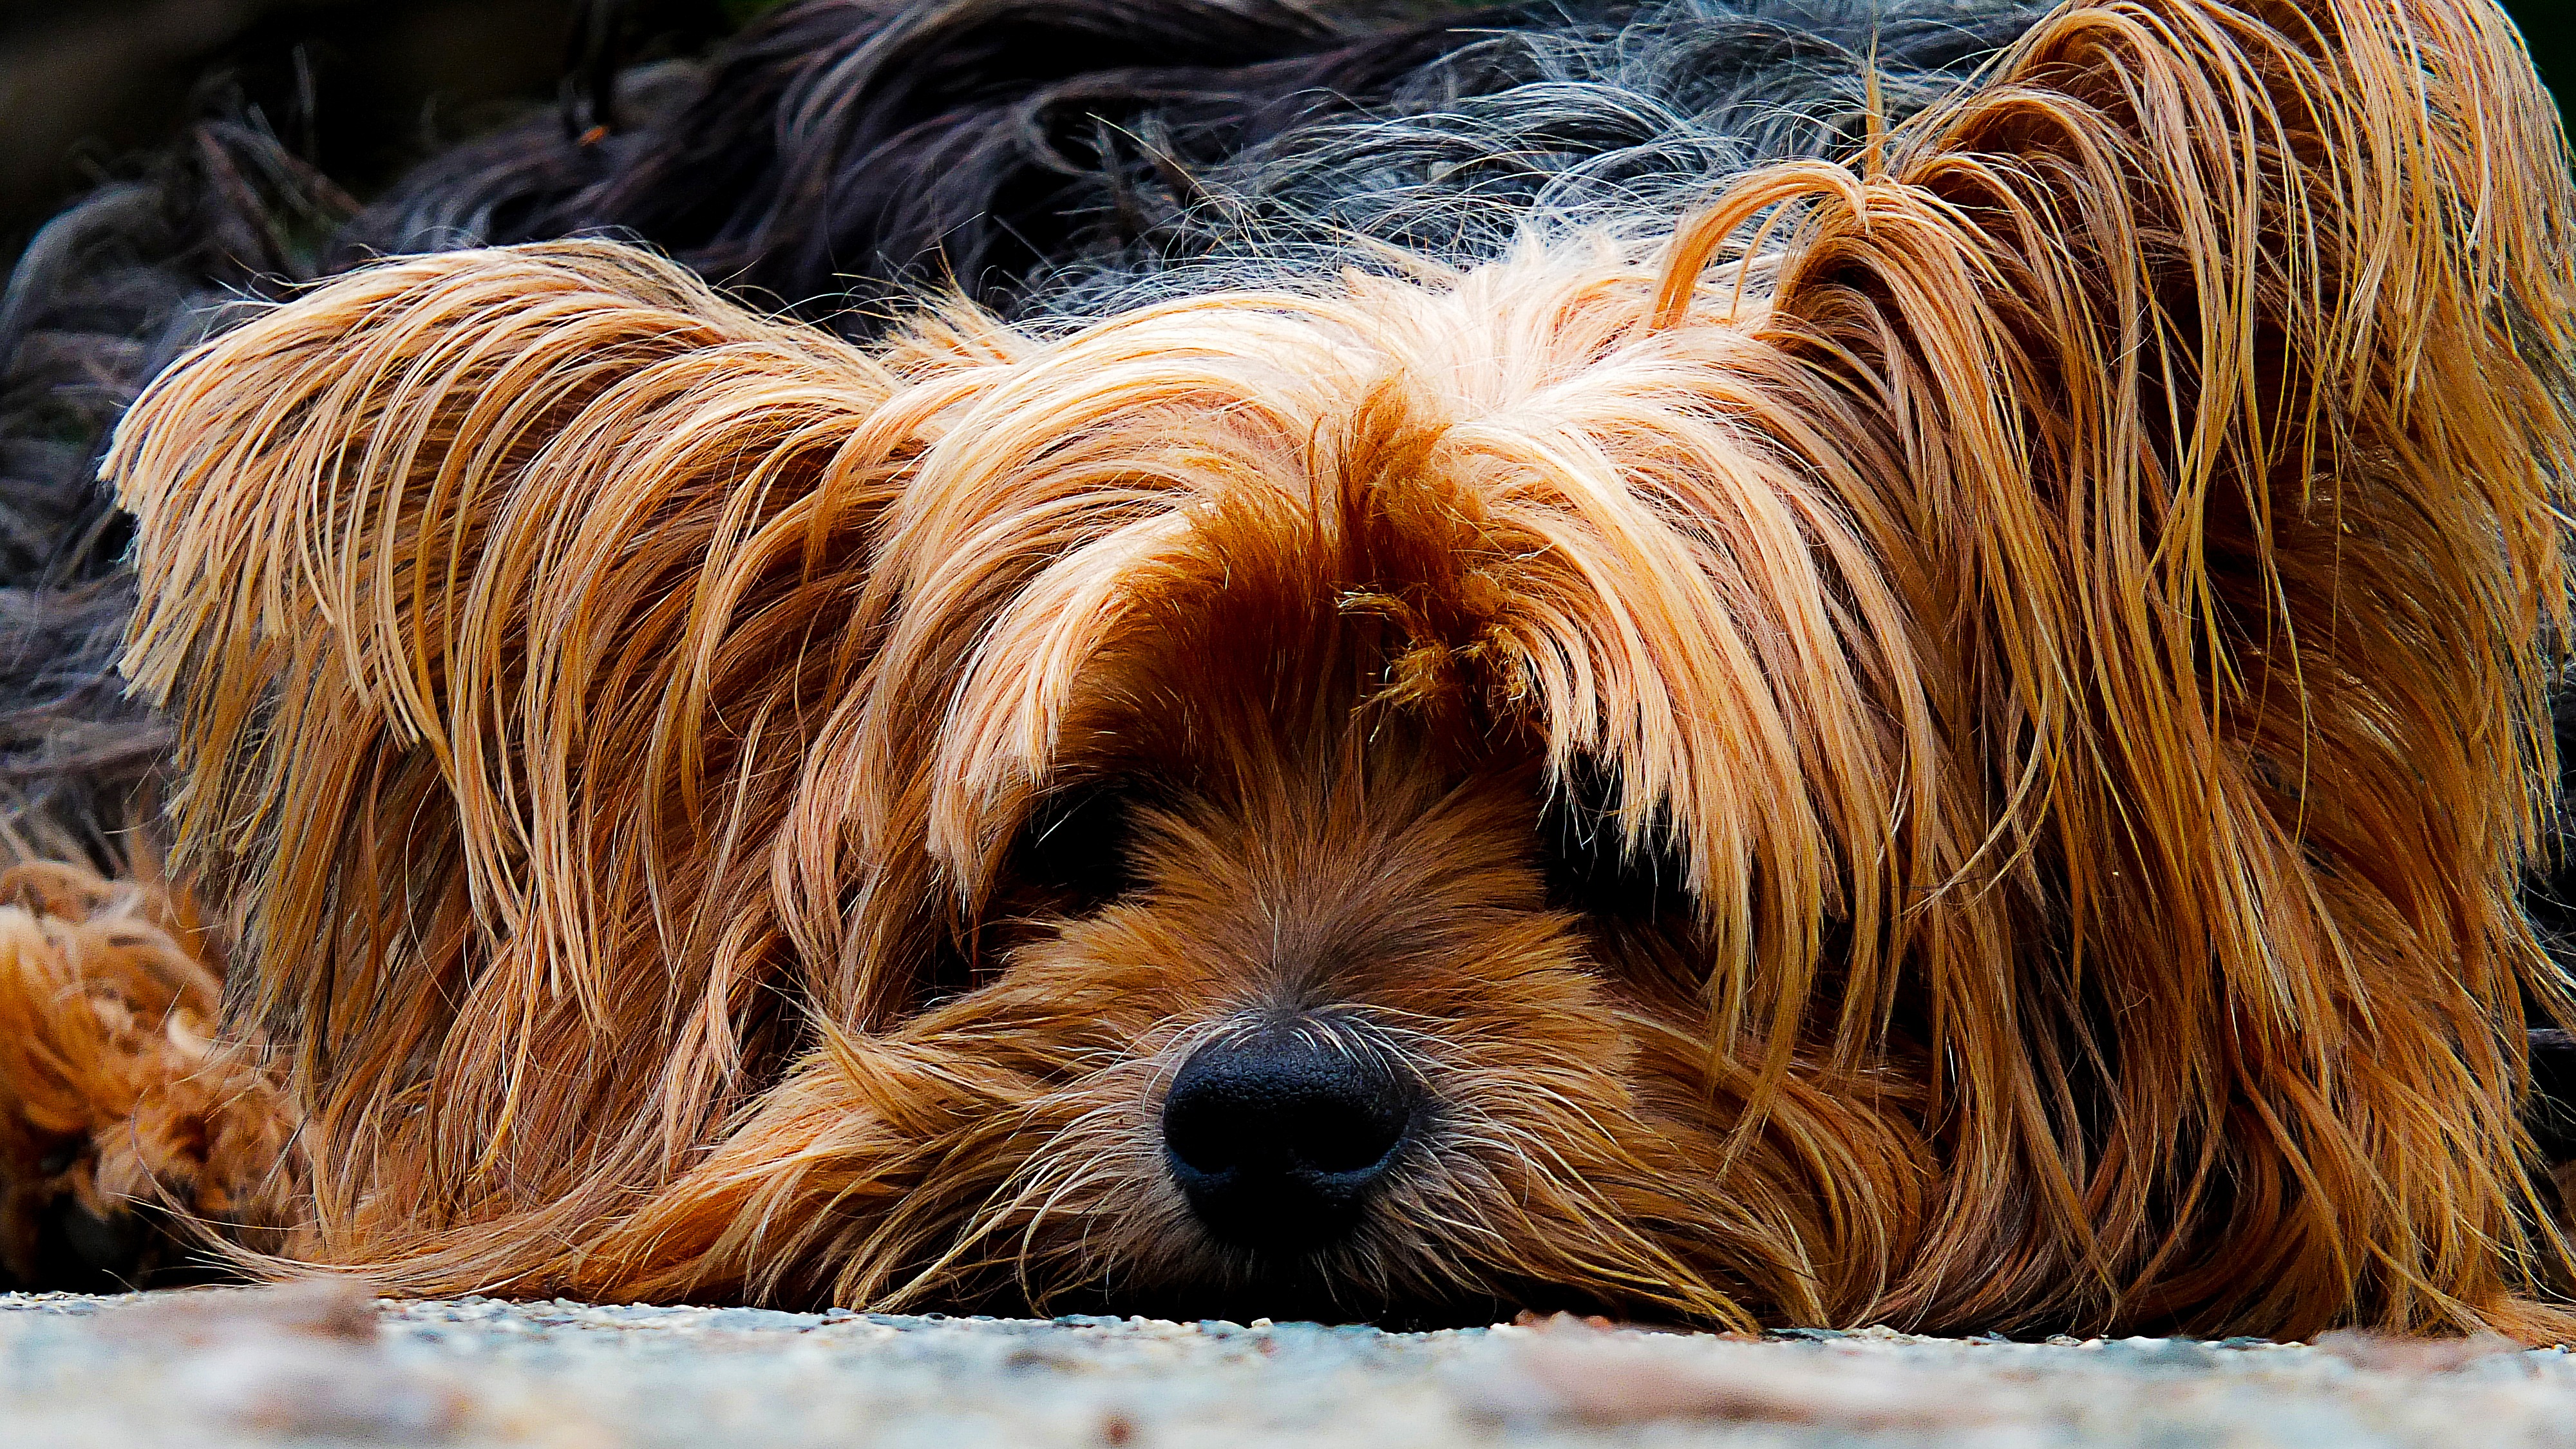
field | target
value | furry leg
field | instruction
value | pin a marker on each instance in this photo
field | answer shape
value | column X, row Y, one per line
column 125, row 1126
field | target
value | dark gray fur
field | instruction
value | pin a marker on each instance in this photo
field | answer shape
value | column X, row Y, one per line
column 107, row 294
column 1617, row 119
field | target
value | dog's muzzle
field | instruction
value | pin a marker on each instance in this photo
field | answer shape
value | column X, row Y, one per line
column 1280, row 1138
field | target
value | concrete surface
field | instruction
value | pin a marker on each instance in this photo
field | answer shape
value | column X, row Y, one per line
column 326, row 1365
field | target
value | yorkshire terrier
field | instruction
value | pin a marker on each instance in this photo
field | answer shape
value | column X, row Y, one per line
column 1912, row 689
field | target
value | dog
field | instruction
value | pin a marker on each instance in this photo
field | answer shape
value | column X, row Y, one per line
column 1943, row 731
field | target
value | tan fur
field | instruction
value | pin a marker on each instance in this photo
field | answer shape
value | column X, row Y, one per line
column 115, row 1099
column 2075, row 586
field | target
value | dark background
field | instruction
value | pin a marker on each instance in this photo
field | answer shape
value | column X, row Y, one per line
column 367, row 86
column 2550, row 26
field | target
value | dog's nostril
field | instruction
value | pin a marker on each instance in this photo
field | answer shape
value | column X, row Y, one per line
column 1278, row 1138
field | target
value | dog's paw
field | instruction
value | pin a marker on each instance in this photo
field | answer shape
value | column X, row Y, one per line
column 127, row 1130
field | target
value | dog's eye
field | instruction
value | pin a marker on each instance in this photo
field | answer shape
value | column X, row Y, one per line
column 1589, row 869
column 1077, row 848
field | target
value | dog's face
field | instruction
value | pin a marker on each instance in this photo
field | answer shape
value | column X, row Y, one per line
column 1343, row 1052
column 1308, row 918
column 1360, row 1004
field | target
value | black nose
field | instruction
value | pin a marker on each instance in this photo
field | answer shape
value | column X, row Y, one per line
column 1278, row 1138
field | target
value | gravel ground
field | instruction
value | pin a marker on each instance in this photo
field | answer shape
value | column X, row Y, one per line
column 321, row 1364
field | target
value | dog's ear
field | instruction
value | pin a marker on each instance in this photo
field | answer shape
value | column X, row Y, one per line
column 497, row 599
column 2202, row 373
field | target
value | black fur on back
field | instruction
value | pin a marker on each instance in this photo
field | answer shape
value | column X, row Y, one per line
column 104, row 296
column 848, row 150
column 1616, row 118
column 1054, row 155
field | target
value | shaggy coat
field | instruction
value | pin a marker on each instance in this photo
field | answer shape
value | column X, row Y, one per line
column 2068, row 589
column 1939, row 723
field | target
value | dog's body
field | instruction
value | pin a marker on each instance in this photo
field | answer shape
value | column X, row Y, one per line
column 1947, row 734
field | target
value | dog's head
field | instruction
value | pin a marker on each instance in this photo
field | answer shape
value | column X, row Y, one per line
column 1311, row 728
column 1774, row 778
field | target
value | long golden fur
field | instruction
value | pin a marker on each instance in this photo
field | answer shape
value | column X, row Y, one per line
column 2072, row 591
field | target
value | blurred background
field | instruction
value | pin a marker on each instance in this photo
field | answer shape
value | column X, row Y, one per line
column 2550, row 26
column 366, row 87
